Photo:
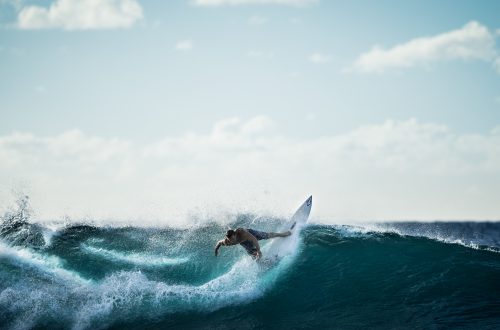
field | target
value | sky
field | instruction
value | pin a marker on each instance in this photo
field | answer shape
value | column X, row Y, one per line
column 185, row 109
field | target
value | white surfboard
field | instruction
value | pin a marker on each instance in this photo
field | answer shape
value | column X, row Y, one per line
column 280, row 246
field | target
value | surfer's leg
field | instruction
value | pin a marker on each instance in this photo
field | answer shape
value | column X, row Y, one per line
column 283, row 234
column 260, row 235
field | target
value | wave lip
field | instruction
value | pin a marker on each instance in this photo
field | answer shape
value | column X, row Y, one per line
column 479, row 236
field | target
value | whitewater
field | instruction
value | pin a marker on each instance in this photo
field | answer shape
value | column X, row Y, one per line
column 381, row 276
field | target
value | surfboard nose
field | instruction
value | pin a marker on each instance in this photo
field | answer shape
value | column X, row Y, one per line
column 309, row 201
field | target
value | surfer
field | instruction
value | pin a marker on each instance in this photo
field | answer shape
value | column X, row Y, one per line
column 248, row 238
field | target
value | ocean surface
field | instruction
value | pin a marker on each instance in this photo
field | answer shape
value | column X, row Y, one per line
column 381, row 276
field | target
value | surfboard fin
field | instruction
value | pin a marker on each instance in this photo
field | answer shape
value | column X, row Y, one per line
column 293, row 226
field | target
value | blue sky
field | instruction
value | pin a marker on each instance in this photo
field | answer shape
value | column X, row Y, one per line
column 135, row 74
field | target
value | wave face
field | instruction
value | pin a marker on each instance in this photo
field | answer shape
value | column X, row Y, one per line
column 410, row 275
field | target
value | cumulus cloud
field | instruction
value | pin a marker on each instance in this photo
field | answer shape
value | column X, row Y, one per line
column 184, row 45
column 471, row 42
column 20, row 148
column 319, row 58
column 392, row 170
column 216, row 3
column 81, row 15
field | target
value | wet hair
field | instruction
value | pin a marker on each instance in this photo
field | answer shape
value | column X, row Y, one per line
column 230, row 233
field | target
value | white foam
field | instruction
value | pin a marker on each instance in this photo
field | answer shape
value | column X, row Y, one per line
column 133, row 258
column 44, row 263
column 126, row 294
column 48, row 232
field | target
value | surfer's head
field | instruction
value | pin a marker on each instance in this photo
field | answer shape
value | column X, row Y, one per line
column 230, row 233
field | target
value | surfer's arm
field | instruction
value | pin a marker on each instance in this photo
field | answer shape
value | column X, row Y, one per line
column 225, row 242
column 217, row 247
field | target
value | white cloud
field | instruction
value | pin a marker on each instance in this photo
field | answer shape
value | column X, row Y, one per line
column 257, row 20
column 72, row 144
column 184, row 45
column 81, row 15
column 256, row 125
column 216, row 3
column 393, row 170
column 471, row 42
column 320, row 58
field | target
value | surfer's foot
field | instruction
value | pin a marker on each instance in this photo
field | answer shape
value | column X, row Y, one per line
column 283, row 234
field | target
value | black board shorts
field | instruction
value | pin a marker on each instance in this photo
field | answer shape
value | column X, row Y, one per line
column 259, row 235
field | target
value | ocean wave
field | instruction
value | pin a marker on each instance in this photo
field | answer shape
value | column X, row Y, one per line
column 335, row 276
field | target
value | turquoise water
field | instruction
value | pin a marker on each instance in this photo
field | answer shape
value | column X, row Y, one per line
column 385, row 276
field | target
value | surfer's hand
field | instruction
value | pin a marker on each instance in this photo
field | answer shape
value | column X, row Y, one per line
column 217, row 248
column 257, row 255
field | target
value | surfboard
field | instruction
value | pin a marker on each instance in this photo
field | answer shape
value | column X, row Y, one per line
column 280, row 246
